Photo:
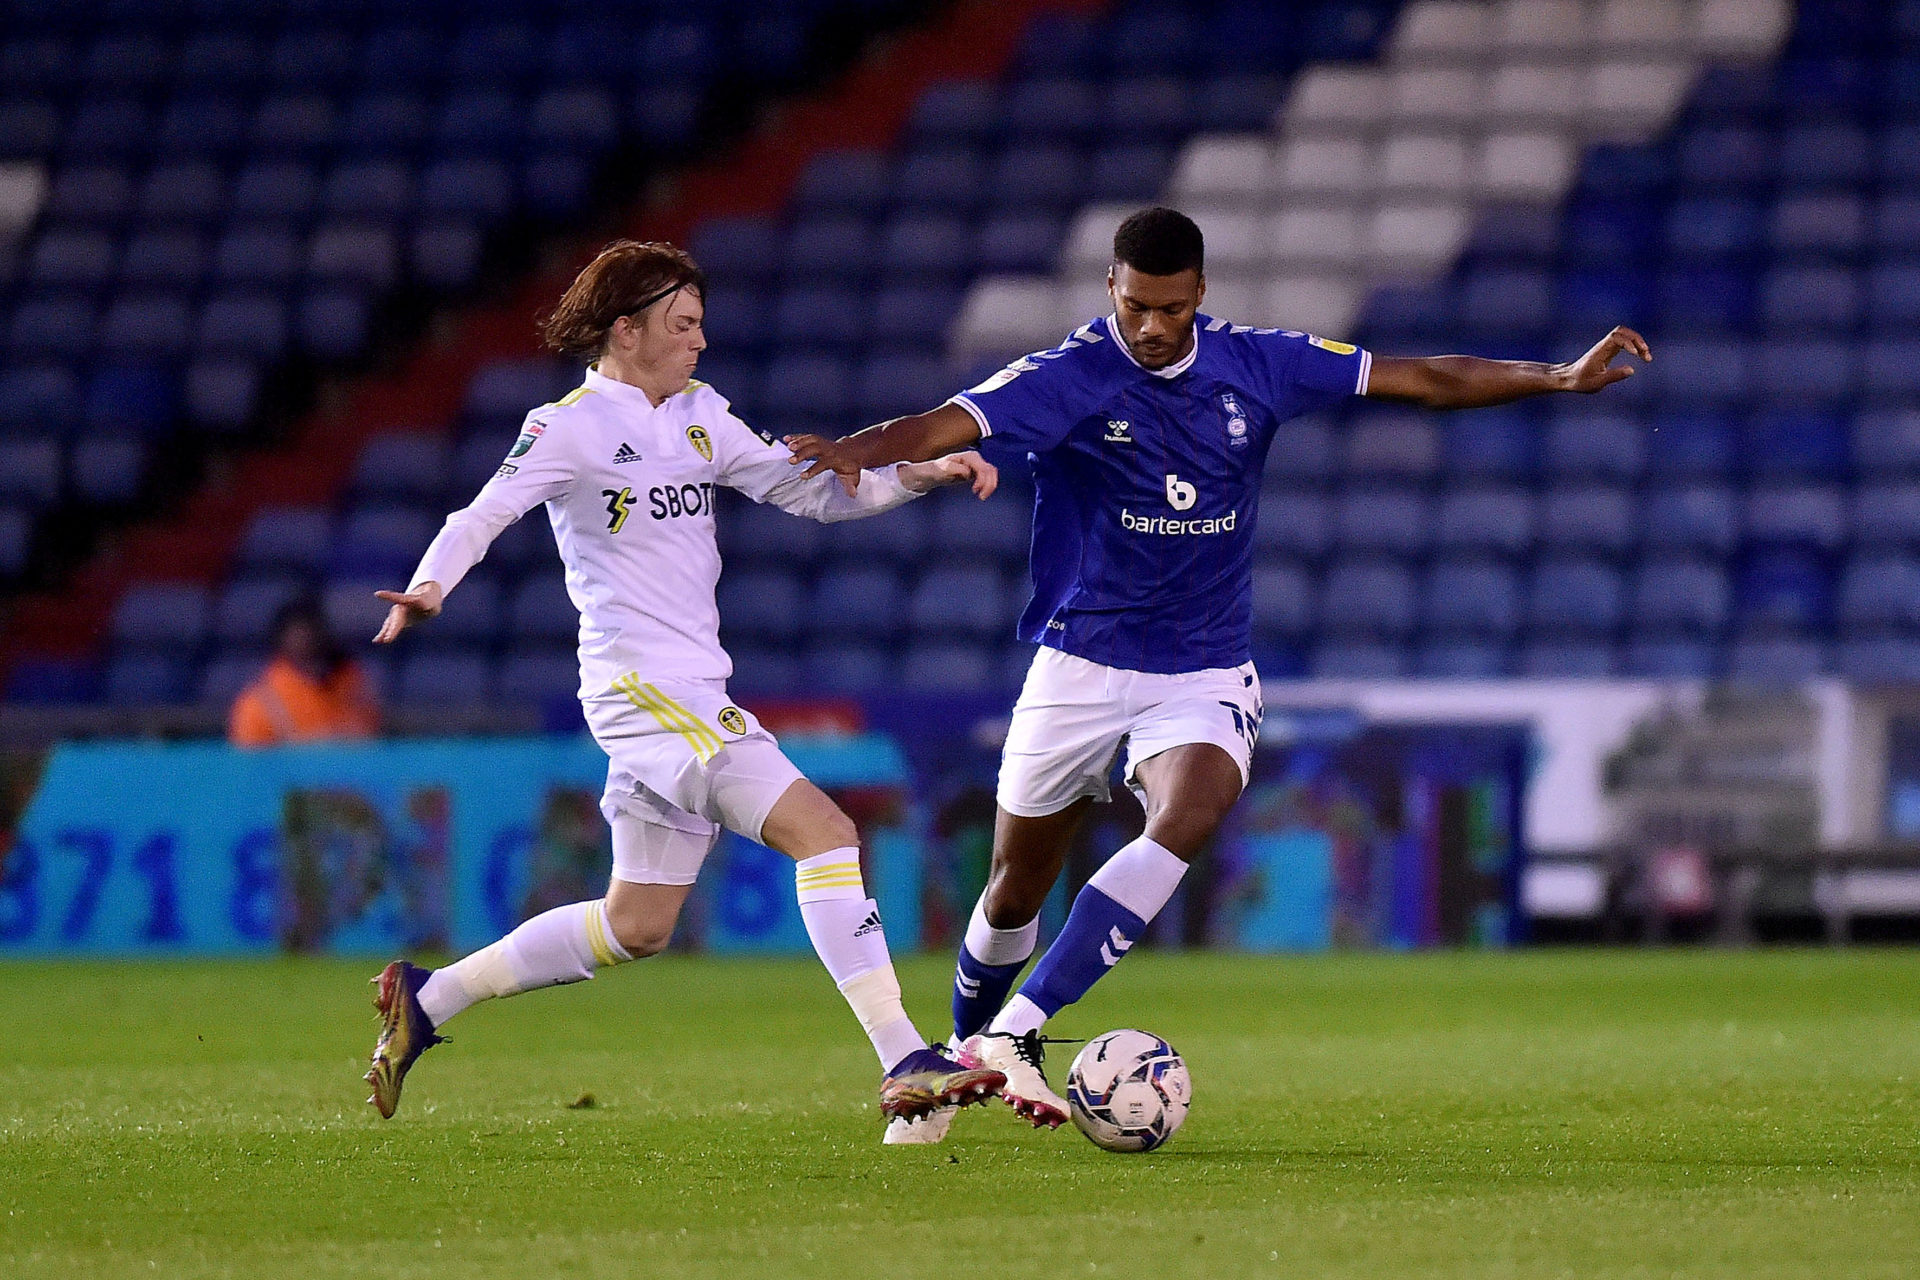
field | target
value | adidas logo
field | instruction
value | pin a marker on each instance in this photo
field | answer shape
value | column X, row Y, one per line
column 624, row 453
column 870, row 925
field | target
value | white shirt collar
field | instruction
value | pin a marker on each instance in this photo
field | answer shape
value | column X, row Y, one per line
column 1173, row 370
column 623, row 393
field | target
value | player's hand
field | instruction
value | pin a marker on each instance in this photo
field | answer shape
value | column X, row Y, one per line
column 967, row 468
column 1593, row 370
column 824, row 455
column 408, row 609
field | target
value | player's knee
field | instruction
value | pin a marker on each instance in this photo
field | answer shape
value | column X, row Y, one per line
column 641, row 934
column 1012, row 899
column 1184, row 827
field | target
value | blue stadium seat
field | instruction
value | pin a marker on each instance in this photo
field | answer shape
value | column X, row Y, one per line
column 832, row 247
column 71, row 259
column 963, row 599
column 1694, row 517
column 1019, row 243
column 963, row 112
column 473, row 615
column 764, row 535
column 1667, row 658
column 555, row 184
column 1282, row 600
column 1775, row 660
column 276, row 189
column 1890, row 370
column 861, row 604
column 1293, row 522
column 1679, row 596
column 1476, row 597
column 32, row 474
column 763, row 604
column 1806, row 442
column 95, row 193
column 1384, row 520
column 849, row 668
column 292, row 125
column 1573, row 596
column 1893, row 295
column 130, row 397
column 575, row 118
column 542, row 611
column 220, row 394
column 948, row 668
column 376, row 190
column 40, row 396
column 446, row 679
column 466, row 186
column 444, row 256
column 852, row 181
column 1808, row 515
column 506, row 390
column 154, row 614
column 244, row 612
column 540, row 674
column 332, row 323
column 486, row 120
column 1066, row 108
column 189, row 191
column 1302, row 450
column 1824, row 154
column 1156, row 107
column 1694, row 299
column 1880, row 660
column 107, row 469
column 381, row 120
column 1128, row 170
column 16, row 539
column 227, row 674
column 318, row 56
column 1880, row 590
column 290, row 538
column 1689, row 443
column 1819, row 223
column 380, row 541
column 1726, row 156
column 1886, row 441
column 827, row 317
column 170, row 257
column 1460, row 660
column 1494, row 520
column 1569, row 660
column 403, row 465
column 1602, row 445
column 108, row 128
column 1368, row 597
column 359, row 254
column 1507, row 300
column 891, row 385
column 147, row 326
column 1000, row 527
column 1490, row 443
column 1782, row 588
column 147, row 677
column 265, row 253
column 1031, row 177
column 52, row 327
column 901, row 536
column 1385, row 443
column 1886, row 514
column 1345, row 659
column 1590, row 518
column 951, row 179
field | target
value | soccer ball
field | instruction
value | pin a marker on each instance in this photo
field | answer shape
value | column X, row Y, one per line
column 1128, row 1091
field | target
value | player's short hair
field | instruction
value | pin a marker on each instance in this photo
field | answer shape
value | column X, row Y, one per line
column 1160, row 242
column 625, row 278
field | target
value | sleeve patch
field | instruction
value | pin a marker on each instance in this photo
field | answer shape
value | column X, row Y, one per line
column 529, row 436
column 1328, row 344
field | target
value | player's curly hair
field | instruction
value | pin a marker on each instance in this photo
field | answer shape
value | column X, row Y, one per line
column 1160, row 242
column 625, row 278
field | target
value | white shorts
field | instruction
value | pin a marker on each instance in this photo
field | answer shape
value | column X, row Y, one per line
column 1073, row 717
column 683, row 761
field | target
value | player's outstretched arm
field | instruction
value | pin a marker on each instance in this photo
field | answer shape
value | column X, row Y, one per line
column 921, row 437
column 1469, row 382
column 408, row 608
column 967, row 468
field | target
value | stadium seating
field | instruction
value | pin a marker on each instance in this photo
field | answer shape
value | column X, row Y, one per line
column 1420, row 176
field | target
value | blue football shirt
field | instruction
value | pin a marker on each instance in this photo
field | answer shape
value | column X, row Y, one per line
column 1147, row 483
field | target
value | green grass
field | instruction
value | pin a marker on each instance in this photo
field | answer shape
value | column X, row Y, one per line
column 1551, row 1114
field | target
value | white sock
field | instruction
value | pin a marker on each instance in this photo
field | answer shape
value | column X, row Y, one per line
column 1019, row 1017
column 994, row 946
column 563, row 945
column 844, row 924
column 1140, row 876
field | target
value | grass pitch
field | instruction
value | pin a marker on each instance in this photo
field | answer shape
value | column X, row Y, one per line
column 1549, row 1114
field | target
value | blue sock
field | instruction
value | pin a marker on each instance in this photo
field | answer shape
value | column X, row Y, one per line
column 979, row 989
column 990, row 960
column 1098, row 932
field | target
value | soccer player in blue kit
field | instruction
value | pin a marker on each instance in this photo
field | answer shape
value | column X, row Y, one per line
column 1148, row 430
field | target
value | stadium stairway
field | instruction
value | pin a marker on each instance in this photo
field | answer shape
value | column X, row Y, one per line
column 53, row 642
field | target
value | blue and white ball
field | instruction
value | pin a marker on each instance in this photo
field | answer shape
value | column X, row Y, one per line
column 1128, row 1091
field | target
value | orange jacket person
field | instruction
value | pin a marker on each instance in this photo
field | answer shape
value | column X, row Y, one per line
column 310, row 691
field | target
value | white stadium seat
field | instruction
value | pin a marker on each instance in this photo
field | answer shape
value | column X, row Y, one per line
column 1335, row 165
column 1223, row 168
column 1643, row 26
column 1414, row 241
column 1731, row 29
column 1319, row 304
column 1634, row 100
column 1090, row 241
column 1338, row 96
column 1537, row 92
column 1424, row 162
column 1008, row 315
column 1524, row 166
column 1441, row 95
column 1442, row 31
column 1560, row 28
column 1310, row 233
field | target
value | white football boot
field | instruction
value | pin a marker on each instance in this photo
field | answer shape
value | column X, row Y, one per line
column 929, row 1128
column 1022, row 1060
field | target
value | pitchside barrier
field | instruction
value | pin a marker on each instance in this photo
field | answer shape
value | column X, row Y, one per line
column 1392, row 814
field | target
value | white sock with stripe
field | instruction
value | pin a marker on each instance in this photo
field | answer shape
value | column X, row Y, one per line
column 563, row 945
column 844, row 924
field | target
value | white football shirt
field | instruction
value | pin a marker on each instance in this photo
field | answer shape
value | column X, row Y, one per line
column 628, row 486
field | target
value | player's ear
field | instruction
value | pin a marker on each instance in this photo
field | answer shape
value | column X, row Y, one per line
column 1201, row 296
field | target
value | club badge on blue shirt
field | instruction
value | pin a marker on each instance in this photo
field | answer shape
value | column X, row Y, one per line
column 1236, row 420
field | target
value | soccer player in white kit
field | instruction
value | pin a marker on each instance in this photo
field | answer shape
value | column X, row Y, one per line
column 626, row 465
